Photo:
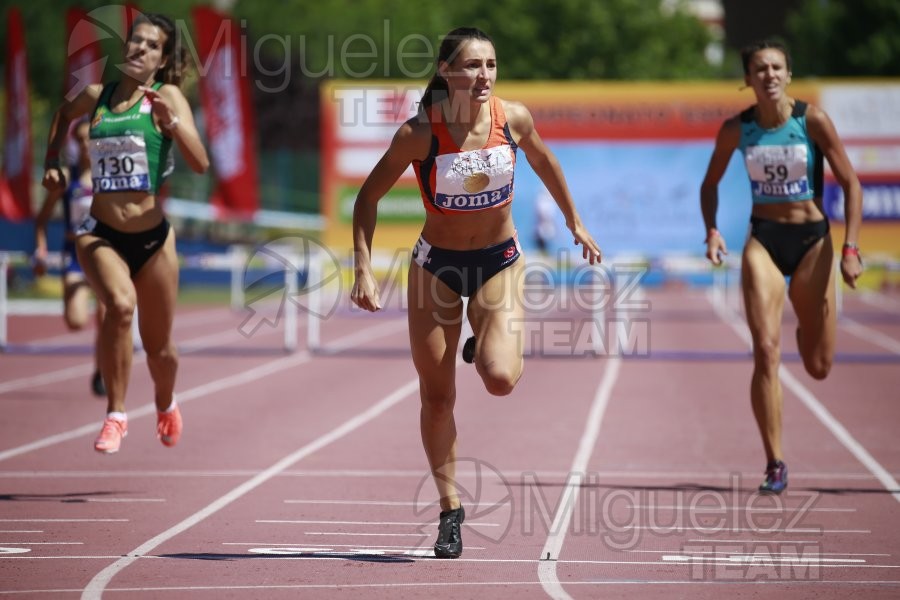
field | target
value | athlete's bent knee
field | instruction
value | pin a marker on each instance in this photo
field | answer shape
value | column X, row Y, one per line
column 500, row 382
column 75, row 321
column 818, row 368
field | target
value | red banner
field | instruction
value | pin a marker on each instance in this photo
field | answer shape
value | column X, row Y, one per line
column 225, row 92
column 15, row 182
column 84, row 58
column 130, row 13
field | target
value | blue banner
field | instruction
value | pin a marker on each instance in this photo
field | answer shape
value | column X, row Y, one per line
column 636, row 198
column 881, row 201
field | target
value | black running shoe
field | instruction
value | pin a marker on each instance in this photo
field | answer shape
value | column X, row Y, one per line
column 776, row 480
column 97, row 385
column 468, row 352
column 449, row 541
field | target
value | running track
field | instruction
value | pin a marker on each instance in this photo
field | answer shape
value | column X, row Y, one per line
column 302, row 475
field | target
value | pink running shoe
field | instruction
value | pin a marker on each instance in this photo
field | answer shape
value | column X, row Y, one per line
column 111, row 435
column 168, row 426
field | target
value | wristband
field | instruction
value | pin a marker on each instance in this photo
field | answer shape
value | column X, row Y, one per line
column 713, row 232
column 850, row 250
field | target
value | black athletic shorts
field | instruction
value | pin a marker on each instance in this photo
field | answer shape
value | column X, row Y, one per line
column 787, row 243
column 464, row 271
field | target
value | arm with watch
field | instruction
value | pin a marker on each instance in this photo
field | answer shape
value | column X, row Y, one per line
column 822, row 131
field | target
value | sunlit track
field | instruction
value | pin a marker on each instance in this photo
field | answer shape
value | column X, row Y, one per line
column 819, row 410
column 193, row 344
column 284, row 477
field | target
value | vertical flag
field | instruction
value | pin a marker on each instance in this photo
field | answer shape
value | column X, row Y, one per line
column 15, row 180
column 225, row 93
column 131, row 12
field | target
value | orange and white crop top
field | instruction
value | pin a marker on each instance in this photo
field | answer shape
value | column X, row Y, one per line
column 459, row 181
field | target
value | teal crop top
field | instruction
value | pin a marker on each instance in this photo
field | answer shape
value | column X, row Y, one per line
column 784, row 164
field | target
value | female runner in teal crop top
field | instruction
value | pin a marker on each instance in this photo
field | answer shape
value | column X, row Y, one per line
column 125, row 246
column 784, row 141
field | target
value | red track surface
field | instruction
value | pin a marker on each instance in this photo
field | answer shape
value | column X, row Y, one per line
column 303, row 475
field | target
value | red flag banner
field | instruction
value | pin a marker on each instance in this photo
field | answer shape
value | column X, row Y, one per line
column 225, row 93
column 84, row 58
column 15, row 182
column 130, row 13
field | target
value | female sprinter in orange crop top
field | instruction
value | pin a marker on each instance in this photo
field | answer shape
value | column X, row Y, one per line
column 462, row 145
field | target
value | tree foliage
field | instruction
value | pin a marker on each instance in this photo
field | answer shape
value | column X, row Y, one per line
column 552, row 39
column 845, row 38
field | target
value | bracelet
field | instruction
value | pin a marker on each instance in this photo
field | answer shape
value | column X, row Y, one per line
column 713, row 232
column 850, row 250
column 51, row 163
column 173, row 125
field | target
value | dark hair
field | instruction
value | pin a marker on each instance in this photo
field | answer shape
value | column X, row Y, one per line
column 752, row 48
column 437, row 88
column 173, row 52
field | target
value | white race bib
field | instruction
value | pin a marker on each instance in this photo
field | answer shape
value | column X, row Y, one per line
column 475, row 179
column 778, row 171
column 120, row 164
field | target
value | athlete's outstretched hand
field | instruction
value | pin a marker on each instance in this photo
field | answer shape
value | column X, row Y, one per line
column 590, row 250
column 715, row 247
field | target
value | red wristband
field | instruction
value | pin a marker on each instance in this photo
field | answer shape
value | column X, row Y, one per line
column 850, row 250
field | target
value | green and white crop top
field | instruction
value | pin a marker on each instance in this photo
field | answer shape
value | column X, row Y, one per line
column 127, row 152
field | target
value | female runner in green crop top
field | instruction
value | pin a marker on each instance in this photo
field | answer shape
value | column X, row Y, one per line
column 126, row 247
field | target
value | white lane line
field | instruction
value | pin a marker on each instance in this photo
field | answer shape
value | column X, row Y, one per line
column 708, row 541
column 762, row 530
column 873, row 336
column 399, row 523
column 694, row 476
column 627, row 563
column 762, row 558
column 321, row 546
column 838, row 583
column 551, row 550
column 818, row 409
column 224, row 383
column 722, row 509
column 21, row 531
column 47, row 378
column 42, row 543
column 65, row 520
column 814, row 553
column 879, row 300
column 94, row 589
column 418, row 535
column 124, row 500
column 87, row 368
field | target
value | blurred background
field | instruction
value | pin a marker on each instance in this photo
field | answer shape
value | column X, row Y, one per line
column 296, row 102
